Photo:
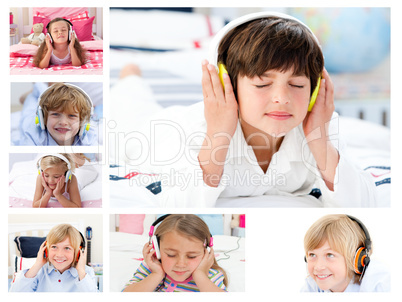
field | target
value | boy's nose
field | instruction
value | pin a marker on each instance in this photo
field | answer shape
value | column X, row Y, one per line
column 63, row 119
column 280, row 96
column 320, row 264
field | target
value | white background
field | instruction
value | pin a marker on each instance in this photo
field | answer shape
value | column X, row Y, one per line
column 275, row 269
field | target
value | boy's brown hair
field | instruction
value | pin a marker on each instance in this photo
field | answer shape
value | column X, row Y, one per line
column 271, row 43
column 64, row 97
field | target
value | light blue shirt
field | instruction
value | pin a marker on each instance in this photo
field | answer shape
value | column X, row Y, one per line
column 48, row 279
column 375, row 279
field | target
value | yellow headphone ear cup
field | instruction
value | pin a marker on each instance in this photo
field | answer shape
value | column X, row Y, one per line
column 314, row 95
column 222, row 70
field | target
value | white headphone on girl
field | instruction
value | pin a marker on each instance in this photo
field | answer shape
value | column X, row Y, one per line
column 39, row 120
column 62, row 157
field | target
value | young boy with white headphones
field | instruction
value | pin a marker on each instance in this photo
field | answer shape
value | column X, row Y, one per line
column 63, row 114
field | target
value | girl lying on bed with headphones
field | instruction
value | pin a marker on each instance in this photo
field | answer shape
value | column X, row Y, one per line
column 61, row 46
column 338, row 250
column 61, row 117
column 178, row 258
column 56, row 183
column 59, row 266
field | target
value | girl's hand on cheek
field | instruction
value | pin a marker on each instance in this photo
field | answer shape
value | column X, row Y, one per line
column 152, row 262
column 220, row 106
column 320, row 116
column 206, row 262
column 45, row 186
column 59, row 186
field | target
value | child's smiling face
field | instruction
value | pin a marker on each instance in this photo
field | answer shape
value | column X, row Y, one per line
column 59, row 31
column 52, row 175
column 61, row 255
column 328, row 268
column 63, row 125
column 180, row 255
column 274, row 103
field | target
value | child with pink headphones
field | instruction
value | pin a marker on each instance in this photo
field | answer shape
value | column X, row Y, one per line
column 178, row 258
column 56, row 183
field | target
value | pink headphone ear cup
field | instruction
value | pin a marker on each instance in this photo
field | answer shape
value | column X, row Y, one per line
column 155, row 245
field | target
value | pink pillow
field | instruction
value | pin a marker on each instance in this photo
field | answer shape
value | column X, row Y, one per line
column 131, row 223
column 78, row 17
column 83, row 29
column 44, row 20
column 23, row 50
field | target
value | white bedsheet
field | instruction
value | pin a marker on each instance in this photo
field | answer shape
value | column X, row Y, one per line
column 126, row 255
column 368, row 146
column 22, row 181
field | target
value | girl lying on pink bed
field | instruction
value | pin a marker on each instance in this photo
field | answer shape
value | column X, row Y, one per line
column 61, row 46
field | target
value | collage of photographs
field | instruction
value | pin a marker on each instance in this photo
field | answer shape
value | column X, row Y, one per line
column 146, row 135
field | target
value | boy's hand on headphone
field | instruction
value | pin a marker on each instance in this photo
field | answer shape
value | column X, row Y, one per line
column 316, row 121
column 40, row 259
column 206, row 262
column 80, row 266
column 59, row 186
column 220, row 106
column 152, row 262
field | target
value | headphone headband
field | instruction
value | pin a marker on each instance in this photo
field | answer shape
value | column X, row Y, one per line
column 213, row 49
column 367, row 241
column 160, row 219
column 62, row 157
column 60, row 19
column 88, row 99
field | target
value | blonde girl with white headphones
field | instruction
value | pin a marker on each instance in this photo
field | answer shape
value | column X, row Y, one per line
column 56, row 182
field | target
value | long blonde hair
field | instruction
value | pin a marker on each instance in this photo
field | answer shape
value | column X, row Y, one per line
column 192, row 226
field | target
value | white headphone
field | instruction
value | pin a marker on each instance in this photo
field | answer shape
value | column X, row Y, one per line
column 39, row 120
column 213, row 48
column 62, row 157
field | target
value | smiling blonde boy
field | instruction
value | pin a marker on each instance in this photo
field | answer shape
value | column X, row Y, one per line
column 59, row 266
